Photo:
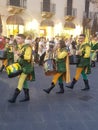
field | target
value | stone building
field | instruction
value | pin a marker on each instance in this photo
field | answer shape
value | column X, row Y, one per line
column 47, row 17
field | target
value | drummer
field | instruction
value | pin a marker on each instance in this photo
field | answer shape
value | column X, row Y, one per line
column 9, row 54
column 83, row 67
column 63, row 73
column 25, row 60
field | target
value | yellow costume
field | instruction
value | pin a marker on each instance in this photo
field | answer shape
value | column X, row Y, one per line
column 25, row 60
column 66, row 74
column 63, row 72
column 83, row 67
column 9, row 56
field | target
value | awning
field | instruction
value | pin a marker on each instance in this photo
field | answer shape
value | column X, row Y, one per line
column 15, row 20
column 47, row 22
column 69, row 25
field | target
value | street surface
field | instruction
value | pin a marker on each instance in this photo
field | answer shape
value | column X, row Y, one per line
column 73, row 110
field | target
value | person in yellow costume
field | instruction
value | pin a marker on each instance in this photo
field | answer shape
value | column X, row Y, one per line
column 63, row 72
column 94, row 50
column 25, row 60
column 83, row 67
column 9, row 54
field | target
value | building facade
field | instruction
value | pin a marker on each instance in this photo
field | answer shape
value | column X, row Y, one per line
column 48, row 17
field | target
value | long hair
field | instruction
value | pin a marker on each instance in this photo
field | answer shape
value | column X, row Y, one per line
column 62, row 44
column 21, row 35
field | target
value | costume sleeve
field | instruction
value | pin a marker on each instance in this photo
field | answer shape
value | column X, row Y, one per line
column 61, row 55
column 87, row 52
column 10, row 48
column 28, row 53
column 95, row 47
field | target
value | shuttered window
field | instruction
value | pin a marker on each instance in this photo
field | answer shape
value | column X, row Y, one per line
column 46, row 5
column 87, row 8
column 69, row 7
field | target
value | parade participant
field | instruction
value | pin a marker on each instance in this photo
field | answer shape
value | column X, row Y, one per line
column 94, row 50
column 9, row 54
column 49, row 61
column 25, row 60
column 83, row 67
column 62, row 68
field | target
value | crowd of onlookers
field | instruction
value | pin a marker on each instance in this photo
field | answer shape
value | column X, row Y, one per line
column 41, row 44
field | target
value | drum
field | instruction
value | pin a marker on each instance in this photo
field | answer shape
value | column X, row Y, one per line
column 13, row 70
column 74, row 59
column 49, row 67
column 3, row 54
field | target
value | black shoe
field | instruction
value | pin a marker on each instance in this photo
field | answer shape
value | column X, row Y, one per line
column 61, row 89
column 16, row 93
column 49, row 89
column 72, row 84
column 46, row 90
column 87, row 87
column 27, row 97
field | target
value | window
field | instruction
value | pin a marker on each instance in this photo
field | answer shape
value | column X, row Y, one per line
column 69, row 7
column 87, row 8
column 46, row 5
column 15, row 2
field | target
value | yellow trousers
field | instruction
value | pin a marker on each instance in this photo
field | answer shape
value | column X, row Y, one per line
column 78, row 73
column 22, row 78
column 55, row 77
column 5, row 62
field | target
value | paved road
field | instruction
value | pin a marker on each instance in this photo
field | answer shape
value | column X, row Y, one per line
column 74, row 110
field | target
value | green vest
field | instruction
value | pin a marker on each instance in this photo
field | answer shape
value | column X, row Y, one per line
column 61, row 66
column 84, row 62
column 95, row 47
column 10, row 56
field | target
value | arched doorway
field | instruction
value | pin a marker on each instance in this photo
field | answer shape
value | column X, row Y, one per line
column 46, row 28
column 15, row 25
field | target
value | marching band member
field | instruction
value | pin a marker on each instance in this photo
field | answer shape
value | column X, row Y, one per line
column 25, row 60
column 62, row 68
column 9, row 54
column 83, row 67
column 94, row 51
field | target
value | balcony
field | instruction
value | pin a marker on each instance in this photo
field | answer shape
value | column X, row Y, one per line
column 87, row 17
column 47, row 11
column 70, row 14
column 16, row 6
